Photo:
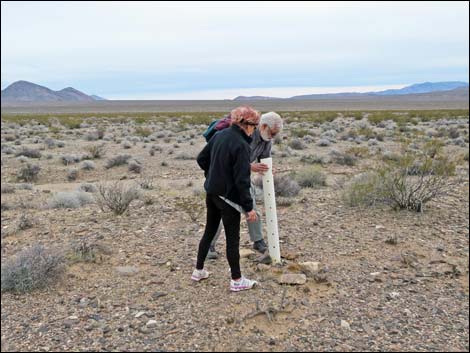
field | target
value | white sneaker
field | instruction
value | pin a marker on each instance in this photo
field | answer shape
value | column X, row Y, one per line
column 199, row 275
column 242, row 284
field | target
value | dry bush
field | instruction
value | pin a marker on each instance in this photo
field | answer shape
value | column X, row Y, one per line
column 117, row 161
column 28, row 173
column 95, row 151
column 116, row 197
column 28, row 152
column 312, row 177
column 74, row 199
column 34, row 268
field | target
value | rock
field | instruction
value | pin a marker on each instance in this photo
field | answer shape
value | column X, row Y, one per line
column 392, row 295
column 290, row 256
column 263, row 267
column 151, row 324
column 157, row 295
column 264, row 259
column 70, row 321
column 345, row 325
column 139, row 314
column 244, row 253
column 293, row 278
column 127, row 270
column 309, row 268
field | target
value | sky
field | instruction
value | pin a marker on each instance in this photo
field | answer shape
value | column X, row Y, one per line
column 219, row 50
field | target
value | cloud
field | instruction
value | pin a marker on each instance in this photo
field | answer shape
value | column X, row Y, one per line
column 185, row 46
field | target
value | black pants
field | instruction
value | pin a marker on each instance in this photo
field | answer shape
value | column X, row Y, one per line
column 218, row 209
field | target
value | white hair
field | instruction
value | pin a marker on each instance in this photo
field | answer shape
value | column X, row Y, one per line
column 272, row 119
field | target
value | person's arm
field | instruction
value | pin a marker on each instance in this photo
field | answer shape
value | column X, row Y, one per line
column 241, row 171
column 204, row 158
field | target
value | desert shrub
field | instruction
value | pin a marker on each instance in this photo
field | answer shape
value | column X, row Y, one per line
column 416, row 179
column 186, row 156
column 342, row 158
column 95, row 151
column 127, row 144
column 8, row 150
column 363, row 190
column 91, row 136
column 143, row 131
column 116, row 197
column 28, row 152
column 87, row 187
column 284, row 185
column 33, row 268
column 117, row 161
column 358, row 152
column 28, row 173
column 24, row 186
column 454, row 133
column 50, row 143
column 299, row 132
column 297, row 144
column 70, row 159
column 84, row 250
column 313, row 159
column 24, row 222
column 8, row 189
column 409, row 182
column 390, row 156
column 324, row 143
column 312, row 177
column 72, row 174
column 146, row 182
column 88, row 165
column 73, row 199
column 135, row 167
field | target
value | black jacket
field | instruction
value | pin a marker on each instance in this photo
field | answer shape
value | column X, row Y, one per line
column 226, row 164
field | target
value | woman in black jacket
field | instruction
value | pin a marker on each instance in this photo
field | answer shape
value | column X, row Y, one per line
column 226, row 164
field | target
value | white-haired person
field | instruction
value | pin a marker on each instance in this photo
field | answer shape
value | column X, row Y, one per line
column 270, row 125
column 226, row 164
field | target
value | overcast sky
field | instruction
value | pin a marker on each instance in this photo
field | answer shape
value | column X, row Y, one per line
column 186, row 50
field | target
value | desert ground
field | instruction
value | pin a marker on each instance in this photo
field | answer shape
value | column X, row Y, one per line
column 364, row 271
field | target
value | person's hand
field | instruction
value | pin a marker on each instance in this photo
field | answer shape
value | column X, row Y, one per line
column 251, row 216
column 259, row 168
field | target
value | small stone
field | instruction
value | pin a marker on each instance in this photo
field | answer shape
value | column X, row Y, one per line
column 290, row 256
column 127, row 270
column 244, row 253
column 151, row 324
column 264, row 259
column 139, row 314
column 293, row 278
column 310, row 267
column 263, row 267
column 157, row 295
column 345, row 325
column 393, row 295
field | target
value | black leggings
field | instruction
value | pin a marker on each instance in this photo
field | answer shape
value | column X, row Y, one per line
column 218, row 209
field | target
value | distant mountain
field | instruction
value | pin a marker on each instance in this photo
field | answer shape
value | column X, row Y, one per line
column 24, row 91
column 243, row 98
column 453, row 87
column 97, row 98
column 425, row 87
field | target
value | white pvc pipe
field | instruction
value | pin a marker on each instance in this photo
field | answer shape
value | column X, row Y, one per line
column 271, row 213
